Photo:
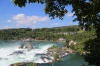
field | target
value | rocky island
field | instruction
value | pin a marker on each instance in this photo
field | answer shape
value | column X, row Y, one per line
column 53, row 54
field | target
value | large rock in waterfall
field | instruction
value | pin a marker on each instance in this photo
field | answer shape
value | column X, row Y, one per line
column 29, row 46
column 21, row 46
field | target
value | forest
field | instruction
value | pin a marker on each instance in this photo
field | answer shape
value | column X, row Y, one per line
column 38, row 33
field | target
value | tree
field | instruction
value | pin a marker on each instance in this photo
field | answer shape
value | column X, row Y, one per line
column 56, row 57
column 87, row 12
column 84, row 9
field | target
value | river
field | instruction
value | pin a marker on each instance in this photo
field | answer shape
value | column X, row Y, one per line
column 8, row 47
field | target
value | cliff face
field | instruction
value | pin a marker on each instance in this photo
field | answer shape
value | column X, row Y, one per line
column 72, row 42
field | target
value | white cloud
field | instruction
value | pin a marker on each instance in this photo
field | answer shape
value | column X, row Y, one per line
column 70, row 14
column 8, row 20
column 22, row 19
column 6, row 27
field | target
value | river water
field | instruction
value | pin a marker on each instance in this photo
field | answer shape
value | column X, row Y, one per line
column 7, row 55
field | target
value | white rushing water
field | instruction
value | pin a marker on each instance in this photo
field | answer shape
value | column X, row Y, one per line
column 9, row 54
column 12, row 54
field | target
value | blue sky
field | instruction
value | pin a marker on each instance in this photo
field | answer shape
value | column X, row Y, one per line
column 31, row 16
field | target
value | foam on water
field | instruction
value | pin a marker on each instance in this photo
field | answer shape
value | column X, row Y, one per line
column 7, row 55
column 8, row 48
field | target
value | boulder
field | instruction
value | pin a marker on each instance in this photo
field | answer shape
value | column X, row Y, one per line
column 29, row 46
column 21, row 46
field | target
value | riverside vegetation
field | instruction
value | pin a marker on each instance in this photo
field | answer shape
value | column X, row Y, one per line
column 37, row 34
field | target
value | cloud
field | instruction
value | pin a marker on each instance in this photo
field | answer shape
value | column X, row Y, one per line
column 22, row 19
column 8, row 20
column 70, row 14
column 6, row 27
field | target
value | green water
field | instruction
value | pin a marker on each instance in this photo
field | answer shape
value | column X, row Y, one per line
column 71, row 60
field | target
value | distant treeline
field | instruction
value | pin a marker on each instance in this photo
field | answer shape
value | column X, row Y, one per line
column 39, row 33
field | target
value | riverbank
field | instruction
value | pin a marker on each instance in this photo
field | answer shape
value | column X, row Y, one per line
column 34, row 40
column 31, row 64
column 47, row 41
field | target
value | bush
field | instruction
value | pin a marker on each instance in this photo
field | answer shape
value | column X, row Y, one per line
column 32, row 64
column 56, row 57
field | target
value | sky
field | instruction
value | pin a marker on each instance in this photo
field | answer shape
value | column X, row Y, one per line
column 31, row 16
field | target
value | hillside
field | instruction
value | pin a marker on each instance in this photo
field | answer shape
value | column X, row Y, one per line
column 39, row 33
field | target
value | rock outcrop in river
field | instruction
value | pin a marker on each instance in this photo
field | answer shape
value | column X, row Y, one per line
column 29, row 46
column 21, row 46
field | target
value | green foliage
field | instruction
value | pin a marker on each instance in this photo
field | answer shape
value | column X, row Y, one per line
column 66, row 45
column 92, row 46
column 17, row 64
column 79, row 48
column 72, row 46
column 32, row 64
column 81, row 31
column 81, row 39
column 56, row 57
column 39, row 34
column 87, row 11
column 52, row 47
